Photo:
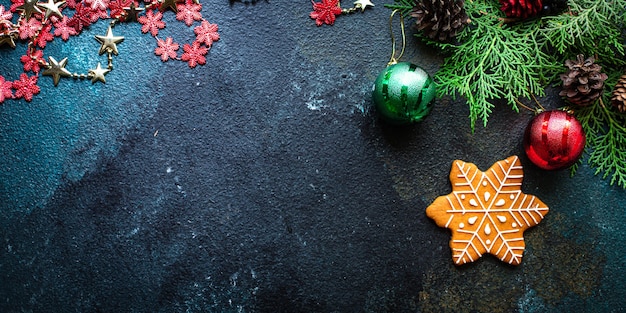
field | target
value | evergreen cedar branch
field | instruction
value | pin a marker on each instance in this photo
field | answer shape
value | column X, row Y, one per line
column 492, row 61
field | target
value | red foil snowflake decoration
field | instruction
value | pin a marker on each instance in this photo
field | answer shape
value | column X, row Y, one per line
column 188, row 12
column 521, row 8
column 40, row 23
column 6, row 89
column 324, row 12
column 25, row 87
column 166, row 49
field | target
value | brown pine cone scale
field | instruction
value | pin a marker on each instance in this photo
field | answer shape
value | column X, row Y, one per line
column 440, row 19
column 583, row 82
column 619, row 94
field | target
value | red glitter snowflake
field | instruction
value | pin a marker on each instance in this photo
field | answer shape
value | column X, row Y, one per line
column 62, row 29
column 44, row 36
column 194, row 54
column 5, row 89
column 166, row 49
column 15, row 4
column 81, row 18
column 116, row 8
column 72, row 3
column 32, row 62
column 206, row 33
column 39, row 30
column 98, row 4
column 5, row 15
column 29, row 28
column 26, row 87
column 324, row 12
column 151, row 22
column 98, row 14
column 189, row 12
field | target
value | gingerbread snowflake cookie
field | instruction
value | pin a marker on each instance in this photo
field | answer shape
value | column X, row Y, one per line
column 487, row 211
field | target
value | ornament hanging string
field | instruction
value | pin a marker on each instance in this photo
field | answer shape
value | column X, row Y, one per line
column 536, row 110
column 393, row 60
column 403, row 91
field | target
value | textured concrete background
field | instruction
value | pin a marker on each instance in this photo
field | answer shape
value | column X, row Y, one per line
column 271, row 185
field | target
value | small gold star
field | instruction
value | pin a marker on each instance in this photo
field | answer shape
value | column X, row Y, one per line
column 363, row 4
column 132, row 11
column 109, row 42
column 51, row 8
column 57, row 70
column 169, row 4
column 28, row 8
column 98, row 73
column 7, row 39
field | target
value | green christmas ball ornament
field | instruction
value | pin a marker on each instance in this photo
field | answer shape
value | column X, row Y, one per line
column 403, row 93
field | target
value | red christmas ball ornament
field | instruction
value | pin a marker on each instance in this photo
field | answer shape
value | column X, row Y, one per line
column 521, row 8
column 554, row 140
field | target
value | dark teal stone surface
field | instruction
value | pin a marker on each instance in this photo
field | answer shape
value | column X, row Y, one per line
column 264, row 181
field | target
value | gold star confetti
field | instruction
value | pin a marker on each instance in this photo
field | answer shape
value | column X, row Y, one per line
column 57, row 70
column 28, row 8
column 487, row 211
column 51, row 8
column 109, row 42
column 169, row 4
column 98, row 73
column 132, row 11
column 7, row 39
column 363, row 4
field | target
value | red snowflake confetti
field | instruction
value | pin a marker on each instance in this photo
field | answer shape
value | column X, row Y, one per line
column 189, row 12
column 15, row 4
column 32, row 61
column 5, row 15
column 81, row 18
column 72, row 3
column 206, row 33
column 44, row 36
column 194, row 54
column 38, row 31
column 29, row 28
column 64, row 30
column 116, row 8
column 166, row 49
column 98, row 14
column 324, row 12
column 26, row 87
column 98, row 4
column 5, row 89
column 151, row 22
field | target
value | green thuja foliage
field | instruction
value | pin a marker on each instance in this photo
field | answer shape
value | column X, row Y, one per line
column 496, row 59
column 606, row 140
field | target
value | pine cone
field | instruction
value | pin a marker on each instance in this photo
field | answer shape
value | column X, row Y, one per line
column 521, row 8
column 440, row 19
column 619, row 94
column 583, row 82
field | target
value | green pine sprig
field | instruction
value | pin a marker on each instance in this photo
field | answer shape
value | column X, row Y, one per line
column 494, row 59
column 605, row 129
column 590, row 27
column 487, row 65
column 403, row 7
